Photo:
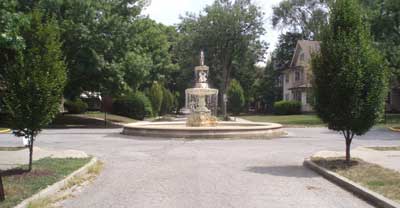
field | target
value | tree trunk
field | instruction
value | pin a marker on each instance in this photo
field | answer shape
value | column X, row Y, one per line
column 349, row 137
column 348, row 144
column 2, row 198
column 30, row 152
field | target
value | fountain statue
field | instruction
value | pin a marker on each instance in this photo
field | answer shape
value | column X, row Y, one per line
column 201, row 100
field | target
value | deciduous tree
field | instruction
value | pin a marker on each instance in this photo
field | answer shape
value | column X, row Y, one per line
column 34, row 84
column 350, row 74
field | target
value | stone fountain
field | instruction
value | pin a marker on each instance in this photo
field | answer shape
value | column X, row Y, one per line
column 202, row 121
column 201, row 100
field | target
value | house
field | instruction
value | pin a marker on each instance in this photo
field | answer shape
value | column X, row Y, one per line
column 298, row 76
column 297, row 79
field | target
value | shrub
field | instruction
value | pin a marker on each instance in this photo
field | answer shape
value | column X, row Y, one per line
column 136, row 106
column 287, row 107
column 76, row 106
column 168, row 102
column 156, row 97
column 235, row 97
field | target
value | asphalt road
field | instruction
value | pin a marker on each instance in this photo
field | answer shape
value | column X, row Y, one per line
column 150, row 172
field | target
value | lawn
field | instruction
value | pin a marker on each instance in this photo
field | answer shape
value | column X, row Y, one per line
column 312, row 120
column 392, row 148
column 374, row 177
column 110, row 117
column 12, row 148
column 45, row 172
column 89, row 120
column 4, row 130
column 290, row 120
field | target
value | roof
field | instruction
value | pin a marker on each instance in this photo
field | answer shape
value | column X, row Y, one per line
column 308, row 48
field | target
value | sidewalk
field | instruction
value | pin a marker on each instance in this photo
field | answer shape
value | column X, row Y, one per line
column 387, row 159
column 12, row 159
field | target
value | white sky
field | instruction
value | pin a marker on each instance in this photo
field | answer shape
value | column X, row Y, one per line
column 168, row 12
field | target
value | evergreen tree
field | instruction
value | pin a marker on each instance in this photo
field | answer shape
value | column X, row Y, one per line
column 235, row 97
column 156, row 97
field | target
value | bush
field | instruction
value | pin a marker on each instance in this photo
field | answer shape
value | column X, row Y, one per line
column 235, row 97
column 76, row 106
column 156, row 97
column 136, row 106
column 168, row 102
column 287, row 107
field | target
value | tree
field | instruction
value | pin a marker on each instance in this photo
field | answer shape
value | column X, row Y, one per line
column 301, row 16
column 34, row 85
column 235, row 97
column 350, row 75
column 269, row 89
column 230, row 34
column 168, row 102
column 10, row 39
column 156, row 97
column 385, row 26
column 285, row 49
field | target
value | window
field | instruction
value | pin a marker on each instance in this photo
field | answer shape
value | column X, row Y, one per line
column 286, row 78
column 297, row 75
column 302, row 57
column 280, row 81
column 297, row 96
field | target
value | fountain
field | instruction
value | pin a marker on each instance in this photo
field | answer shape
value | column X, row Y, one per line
column 202, row 121
column 201, row 100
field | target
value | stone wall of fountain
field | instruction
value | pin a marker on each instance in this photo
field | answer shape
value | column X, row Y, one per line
column 201, row 100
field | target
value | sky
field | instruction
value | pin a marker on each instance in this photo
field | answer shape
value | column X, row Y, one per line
column 169, row 11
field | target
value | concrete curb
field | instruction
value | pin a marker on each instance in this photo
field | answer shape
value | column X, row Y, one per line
column 363, row 193
column 56, row 187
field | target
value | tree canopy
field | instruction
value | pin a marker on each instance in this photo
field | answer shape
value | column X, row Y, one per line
column 35, row 82
column 230, row 34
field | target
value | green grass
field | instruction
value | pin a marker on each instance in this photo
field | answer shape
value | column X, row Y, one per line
column 290, row 120
column 305, row 120
column 374, row 177
column 4, row 130
column 110, row 117
column 45, row 172
column 392, row 148
column 12, row 148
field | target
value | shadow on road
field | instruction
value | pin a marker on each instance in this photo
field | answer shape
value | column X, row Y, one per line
column 285, row 171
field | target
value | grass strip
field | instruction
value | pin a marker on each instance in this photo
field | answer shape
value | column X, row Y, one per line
column 45, row 172
column 374, row 177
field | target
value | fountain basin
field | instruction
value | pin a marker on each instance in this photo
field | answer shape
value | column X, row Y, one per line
column 224, row 129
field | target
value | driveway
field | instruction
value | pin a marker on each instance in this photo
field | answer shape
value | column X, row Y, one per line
column 151, row 172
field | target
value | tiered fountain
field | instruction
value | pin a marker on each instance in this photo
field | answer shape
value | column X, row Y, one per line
column 201, row 100
column 202, row 122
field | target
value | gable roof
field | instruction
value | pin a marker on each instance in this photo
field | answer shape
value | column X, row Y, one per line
column 308, row 48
